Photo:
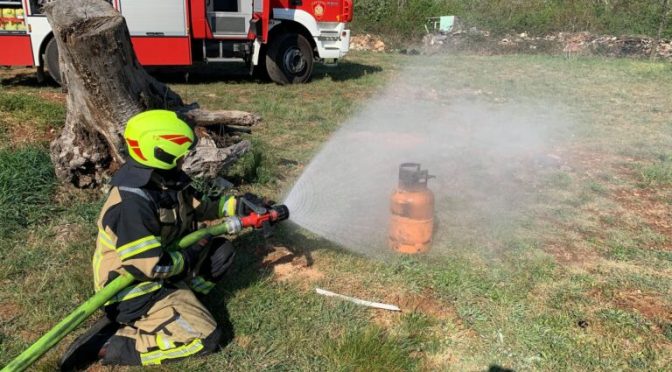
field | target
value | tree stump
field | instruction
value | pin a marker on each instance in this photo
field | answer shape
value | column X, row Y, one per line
column 106, row 86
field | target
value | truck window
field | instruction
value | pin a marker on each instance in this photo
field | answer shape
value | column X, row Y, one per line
column 36, row 6
column 226, row 6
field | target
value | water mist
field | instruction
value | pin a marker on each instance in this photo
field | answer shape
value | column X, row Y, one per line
column 479, row 150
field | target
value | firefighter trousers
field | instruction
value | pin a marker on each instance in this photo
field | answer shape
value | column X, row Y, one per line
column 176, row 326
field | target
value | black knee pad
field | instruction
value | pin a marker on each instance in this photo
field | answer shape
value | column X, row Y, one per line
column 121, row 351
column 222, row 257
column 211, row 343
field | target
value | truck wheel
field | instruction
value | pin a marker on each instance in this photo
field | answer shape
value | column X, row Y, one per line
column 289, row 59
column 50, row 58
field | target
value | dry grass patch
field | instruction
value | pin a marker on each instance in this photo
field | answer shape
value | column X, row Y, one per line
column 57, row 97
column 648, row 206
column 571, row 252
column 610, row 268
column 9, row 310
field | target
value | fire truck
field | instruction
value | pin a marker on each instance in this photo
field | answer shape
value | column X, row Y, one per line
column 280, row 39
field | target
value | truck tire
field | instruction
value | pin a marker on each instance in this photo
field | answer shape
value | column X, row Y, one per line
column 289, row 59
column 50, row 58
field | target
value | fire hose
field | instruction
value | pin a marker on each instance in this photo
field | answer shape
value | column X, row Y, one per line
column 260, row 218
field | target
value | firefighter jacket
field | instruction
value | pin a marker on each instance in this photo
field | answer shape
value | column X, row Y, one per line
column 146, row 212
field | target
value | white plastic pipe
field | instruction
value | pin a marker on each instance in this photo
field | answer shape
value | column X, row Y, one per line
column 357, row 301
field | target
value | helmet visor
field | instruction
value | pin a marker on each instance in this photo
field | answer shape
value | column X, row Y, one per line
column 171, row 159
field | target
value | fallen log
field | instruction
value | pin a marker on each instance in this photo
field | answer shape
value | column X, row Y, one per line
column 230, row 117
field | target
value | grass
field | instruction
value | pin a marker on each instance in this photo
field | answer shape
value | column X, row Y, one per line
column 658, row 173
column 371, row 347
column 581, row 280
column 32, row 107
column 25, row 197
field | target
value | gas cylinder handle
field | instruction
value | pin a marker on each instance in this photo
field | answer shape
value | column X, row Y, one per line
column 412, row 175
column 409, row 165
column 425, row 177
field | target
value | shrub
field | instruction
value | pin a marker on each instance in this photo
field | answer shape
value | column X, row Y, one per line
column 406, row 18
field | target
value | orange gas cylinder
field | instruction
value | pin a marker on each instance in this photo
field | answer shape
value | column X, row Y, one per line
column 412, row 207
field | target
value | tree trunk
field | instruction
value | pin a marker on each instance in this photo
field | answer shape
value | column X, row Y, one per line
column 664, row 17
column 106, row 86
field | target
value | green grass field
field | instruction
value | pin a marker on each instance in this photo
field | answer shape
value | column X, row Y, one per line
column 582, row 282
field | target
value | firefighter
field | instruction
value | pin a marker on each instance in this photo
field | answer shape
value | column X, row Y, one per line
column 151, row 205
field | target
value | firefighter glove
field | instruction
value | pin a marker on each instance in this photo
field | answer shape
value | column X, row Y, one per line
column 192, row 253
column 240, row 206
column 218, row 261
column 244, row 208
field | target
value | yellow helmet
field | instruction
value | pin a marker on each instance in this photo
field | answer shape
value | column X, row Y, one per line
column 158, row 138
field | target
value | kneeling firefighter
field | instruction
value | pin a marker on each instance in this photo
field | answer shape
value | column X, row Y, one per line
column 150, row 206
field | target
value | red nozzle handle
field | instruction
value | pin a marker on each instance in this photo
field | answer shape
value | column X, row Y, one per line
column 276, row 214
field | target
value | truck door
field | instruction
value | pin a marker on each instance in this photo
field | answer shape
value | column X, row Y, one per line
column 229, row 18
column 15, row 47
column 159, row 30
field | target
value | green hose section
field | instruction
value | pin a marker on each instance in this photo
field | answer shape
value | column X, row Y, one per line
column 75, row 318
column 68, row 324
column 226, row 227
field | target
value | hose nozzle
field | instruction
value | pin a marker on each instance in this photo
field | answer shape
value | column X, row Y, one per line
column 270, row 216
column 281, row 213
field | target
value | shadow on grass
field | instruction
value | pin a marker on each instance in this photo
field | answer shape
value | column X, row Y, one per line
column 237, row 73
column 250, row 268
column 497, row 368
column 27, row 79
column 231, row 73
column 345, row 71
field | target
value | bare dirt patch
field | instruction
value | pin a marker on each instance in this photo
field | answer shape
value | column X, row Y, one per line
column 621, row 207
column 649, row 305
column 594, row 162
column 29, row 335
column 568, row 253
column 287, row 265
column 244, row 341
column 26, row 133
column 68, row 232
column 424, row 303
column 53, row 96
column 412, row 303
column 645, row 204
column 8, row 311
column 650, row 208
column 67, row 195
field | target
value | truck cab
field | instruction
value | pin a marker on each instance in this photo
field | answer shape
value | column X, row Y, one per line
column 279, row 39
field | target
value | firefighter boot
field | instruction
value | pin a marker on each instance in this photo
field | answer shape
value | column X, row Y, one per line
column 85, row 349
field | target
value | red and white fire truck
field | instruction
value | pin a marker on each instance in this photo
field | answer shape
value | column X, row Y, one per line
column 280, row 38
